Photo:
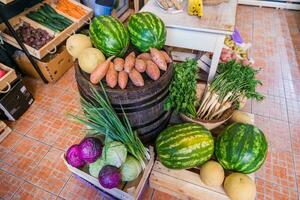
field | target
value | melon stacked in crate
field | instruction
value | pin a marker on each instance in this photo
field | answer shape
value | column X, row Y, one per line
column 192, row 161
column 133, row 65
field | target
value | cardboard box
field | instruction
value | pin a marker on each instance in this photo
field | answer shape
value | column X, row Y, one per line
column 7, row 79
column 14, row 103
column 53, row 66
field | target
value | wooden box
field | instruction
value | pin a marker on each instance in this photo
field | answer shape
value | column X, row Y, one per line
column 6, row 1
column 51, row 46
column 128, row 190
column 9, row 77
column 4, row 131
column 184, row 184
column 53, row 66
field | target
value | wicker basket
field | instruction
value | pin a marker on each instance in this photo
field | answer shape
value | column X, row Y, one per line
column 213, row 2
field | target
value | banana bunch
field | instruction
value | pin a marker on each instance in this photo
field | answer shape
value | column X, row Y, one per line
column 195, row 7
column 236, row 48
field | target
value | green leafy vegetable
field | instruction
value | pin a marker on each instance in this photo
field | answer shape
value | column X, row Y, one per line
column 101, row 118
column 182, row 96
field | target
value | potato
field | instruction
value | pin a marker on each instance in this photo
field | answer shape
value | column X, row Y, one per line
column 145, row 56
column 119, row 64
column 136, row 78
column 158, row 59
column 129, row 62
column 152, row 70
column 122, row 79
column 140, row 65
column 111, row 76
column 166, row 56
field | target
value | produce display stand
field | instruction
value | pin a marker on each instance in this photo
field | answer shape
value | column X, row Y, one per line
column 127, row 191
column 184, row 184
column 51, row 46
column 204, row 34
column 12, row 6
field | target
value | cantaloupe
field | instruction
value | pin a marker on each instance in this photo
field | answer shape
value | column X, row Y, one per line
column 240, row 187
column 76, row 43
column 89, row 59
column 212, row 173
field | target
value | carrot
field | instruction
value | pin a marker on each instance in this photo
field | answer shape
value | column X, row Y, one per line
column 136, row 78
column 166, row 56
column 158, row 58
column 119, row 64
column 111, row 76
column 152, row 70
column 140, row 65
column 100, row 71
column 145, row 56
column 129, row 62
column 122, row 79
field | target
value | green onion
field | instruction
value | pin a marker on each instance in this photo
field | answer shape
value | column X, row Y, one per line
column 101, row 119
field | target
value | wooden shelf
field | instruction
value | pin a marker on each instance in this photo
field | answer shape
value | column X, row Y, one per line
column 289, row 4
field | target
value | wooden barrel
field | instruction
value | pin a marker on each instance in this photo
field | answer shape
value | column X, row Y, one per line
column 142, row 105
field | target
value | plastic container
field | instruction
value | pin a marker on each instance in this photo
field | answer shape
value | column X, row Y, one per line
column 100, row 7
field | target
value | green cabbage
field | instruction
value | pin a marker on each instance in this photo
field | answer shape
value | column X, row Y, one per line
column 95, row 167
column 131, row 169
column 115, row 153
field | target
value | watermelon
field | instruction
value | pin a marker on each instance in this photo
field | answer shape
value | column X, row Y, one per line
column 184, row 146
column 241, row 148
column 109, row 35
column 146, row 31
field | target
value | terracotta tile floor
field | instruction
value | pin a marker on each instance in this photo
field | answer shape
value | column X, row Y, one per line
column 30, row 166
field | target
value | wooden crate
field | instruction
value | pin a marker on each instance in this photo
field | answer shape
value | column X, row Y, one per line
column 184, row 184
column 6, row 1
column 4, row 131
column 127, row 191
column 51, row 46
column 9, row 77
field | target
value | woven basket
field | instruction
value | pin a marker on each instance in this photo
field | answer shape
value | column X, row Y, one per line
column 213, row 2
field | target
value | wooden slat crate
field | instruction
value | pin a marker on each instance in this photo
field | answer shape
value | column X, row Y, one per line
column 9, row 77
column 184, row 184
column 6, row 1
column 127, row 191
column 51, row 46
column 4, row 131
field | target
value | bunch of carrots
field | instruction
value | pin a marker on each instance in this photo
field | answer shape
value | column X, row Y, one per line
column 70, row 9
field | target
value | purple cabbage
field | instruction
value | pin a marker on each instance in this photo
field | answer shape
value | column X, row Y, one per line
column 90, row 149
column 73, row 156
column 109, row 177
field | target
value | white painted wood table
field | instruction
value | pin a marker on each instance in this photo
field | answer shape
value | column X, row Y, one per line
column 204, row 34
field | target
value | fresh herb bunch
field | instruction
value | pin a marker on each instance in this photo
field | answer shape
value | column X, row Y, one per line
column 101, row 119
column 237, row 79
column 182, row 96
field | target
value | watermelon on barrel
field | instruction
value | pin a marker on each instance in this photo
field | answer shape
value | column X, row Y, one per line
column 241, row 148
column 109, row 35
column 184, row 146
column 146, row 31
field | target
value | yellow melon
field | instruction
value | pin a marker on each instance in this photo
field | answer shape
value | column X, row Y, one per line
column 90, row 58
column 240, row 187
column 212, row 173
column 77, row 43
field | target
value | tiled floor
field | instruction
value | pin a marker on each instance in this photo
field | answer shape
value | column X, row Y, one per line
column 30, row 165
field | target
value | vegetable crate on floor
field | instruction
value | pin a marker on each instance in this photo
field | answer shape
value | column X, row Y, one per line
column 58, row 37
column 184, row 184
column 128, row 190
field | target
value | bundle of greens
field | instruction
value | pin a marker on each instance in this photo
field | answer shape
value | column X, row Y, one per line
column 233, row 83
column 182, row 96
column 101, row 119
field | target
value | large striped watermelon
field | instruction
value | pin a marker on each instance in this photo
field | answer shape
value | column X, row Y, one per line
column 184, row 146
column 241, row 147
column 146, row 31
column 109, row 35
